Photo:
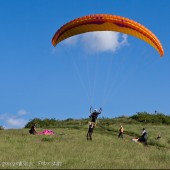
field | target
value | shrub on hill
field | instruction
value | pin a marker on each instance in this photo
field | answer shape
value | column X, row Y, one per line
column 1, row 127
column 140, row 117
column 44, row 123
column 157, row 118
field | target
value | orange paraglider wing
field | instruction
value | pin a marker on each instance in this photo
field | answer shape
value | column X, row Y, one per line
column 105, row 22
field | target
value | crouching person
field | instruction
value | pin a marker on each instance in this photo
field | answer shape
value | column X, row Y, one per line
column 33, row 130
column 144, row 137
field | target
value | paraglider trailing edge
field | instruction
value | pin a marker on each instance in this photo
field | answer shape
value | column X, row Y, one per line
column 107, row 22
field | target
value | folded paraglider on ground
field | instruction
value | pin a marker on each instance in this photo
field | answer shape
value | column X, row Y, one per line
column 46, row 132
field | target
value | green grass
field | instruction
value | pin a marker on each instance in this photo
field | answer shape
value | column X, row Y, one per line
column 69, row 149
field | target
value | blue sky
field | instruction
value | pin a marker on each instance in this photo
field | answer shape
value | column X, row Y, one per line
column 119, row 73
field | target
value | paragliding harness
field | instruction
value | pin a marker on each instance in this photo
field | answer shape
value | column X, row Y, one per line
column 94, row 115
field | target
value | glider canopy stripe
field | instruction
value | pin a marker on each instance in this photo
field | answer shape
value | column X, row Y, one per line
column 105, row 22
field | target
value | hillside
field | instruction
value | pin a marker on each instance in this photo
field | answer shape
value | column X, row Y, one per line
column 69, row 149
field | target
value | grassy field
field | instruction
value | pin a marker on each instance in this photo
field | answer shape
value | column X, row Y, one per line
column 69, row 149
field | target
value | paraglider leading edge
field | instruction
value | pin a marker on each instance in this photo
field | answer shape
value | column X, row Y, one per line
column 106, row 22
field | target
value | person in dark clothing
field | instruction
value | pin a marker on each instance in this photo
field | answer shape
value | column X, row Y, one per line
column 143, row 138
column 90, row 131
column 33, row 130
column 94, row 114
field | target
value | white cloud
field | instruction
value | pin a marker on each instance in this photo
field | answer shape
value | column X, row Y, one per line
column 22, row 112
column 99, row 41
column 71, row 40
column 14, row 120
column 104, row 41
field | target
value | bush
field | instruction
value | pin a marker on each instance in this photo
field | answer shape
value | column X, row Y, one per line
column 1, row 128
column 42, row 123
column 145, row 117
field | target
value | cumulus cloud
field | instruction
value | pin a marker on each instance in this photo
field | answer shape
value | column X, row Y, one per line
column 71, row 40
column 14, row 120
column 99, row 41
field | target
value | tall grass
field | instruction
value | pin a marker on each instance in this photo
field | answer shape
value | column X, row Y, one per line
column 69, row 149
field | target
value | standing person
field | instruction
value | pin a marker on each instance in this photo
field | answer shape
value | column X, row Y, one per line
column 94, row 114
column 121, row 132
column 90, row 131
column 33, row 130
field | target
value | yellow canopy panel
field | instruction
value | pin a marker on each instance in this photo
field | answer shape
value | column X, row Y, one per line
column 105, row 22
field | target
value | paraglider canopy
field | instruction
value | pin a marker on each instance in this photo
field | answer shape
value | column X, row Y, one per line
column 46, row 132
column 106, row 22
